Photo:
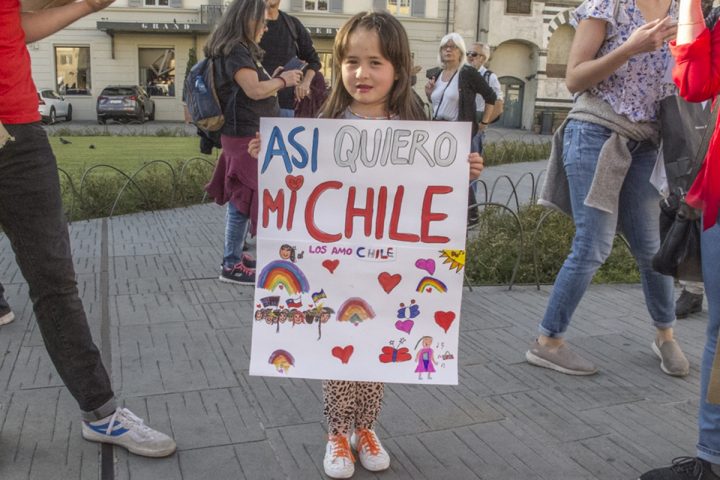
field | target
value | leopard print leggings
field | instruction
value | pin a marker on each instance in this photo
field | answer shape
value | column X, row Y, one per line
column 351, row 404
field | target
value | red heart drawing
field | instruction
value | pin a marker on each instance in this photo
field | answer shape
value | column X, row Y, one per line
column 331, row 265
column 393, row 355
column 294, row 183
column 444, row 319
column 388, row 282
column 343, row 353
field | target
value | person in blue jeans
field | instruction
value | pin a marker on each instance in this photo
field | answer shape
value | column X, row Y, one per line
column 600, row 168
column 698, row 78
column 247, row 92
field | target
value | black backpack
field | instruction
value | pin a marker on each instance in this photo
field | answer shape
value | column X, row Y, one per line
column 488, row 73
column 201, row 97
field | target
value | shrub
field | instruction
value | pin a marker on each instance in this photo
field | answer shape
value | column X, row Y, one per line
column 493, row 247
column 514, row 151
column 103, row 190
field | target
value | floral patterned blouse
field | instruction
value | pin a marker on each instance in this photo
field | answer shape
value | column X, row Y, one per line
column 636, row 88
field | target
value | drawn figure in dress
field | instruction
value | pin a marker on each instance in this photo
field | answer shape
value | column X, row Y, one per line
column 425, row 358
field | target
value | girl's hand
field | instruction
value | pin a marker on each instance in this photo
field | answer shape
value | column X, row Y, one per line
column 254, row 146
column 651, row 36
column 292, row 77
column 97, row 5
column 476, row 165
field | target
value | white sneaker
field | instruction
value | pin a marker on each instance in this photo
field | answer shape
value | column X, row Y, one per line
column 6, row 318
column 338, row 461
column 370, row 451
column 125, row 429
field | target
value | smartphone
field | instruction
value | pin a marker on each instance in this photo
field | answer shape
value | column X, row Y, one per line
column 295, row 64
column 432, row 72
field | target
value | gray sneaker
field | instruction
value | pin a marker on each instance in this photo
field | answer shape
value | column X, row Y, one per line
column 672, row 359
column 561, row 359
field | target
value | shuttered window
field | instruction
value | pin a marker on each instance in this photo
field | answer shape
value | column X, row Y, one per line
column 518, row 7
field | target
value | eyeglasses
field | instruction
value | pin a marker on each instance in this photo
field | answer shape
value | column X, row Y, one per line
column 448, row 47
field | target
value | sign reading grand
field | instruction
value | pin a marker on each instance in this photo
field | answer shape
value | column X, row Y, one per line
column 361, row 249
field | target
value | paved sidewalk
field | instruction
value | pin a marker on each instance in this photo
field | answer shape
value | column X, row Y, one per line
column 179, row 340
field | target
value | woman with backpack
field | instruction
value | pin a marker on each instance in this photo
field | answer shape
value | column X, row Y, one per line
column 247, row 92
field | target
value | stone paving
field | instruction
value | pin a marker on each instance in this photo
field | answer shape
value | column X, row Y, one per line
column 176, row 342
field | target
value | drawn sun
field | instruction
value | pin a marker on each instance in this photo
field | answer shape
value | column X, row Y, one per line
column 456, row 259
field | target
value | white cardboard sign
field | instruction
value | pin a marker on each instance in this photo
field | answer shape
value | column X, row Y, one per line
column 360, row 249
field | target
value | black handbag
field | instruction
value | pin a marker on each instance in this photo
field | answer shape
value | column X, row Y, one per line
column 685, row 131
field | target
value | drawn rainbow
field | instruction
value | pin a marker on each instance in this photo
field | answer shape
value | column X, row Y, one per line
column 433, row 283
column 355, row 310
column 281, row 273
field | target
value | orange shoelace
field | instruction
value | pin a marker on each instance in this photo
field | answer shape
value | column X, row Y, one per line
column 341, row 447
column 368, row 439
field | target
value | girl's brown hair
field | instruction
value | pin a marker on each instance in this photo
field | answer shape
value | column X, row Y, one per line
column 395, row 47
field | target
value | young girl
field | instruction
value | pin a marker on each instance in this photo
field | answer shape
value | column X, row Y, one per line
column 372, row 71
column 247, row 93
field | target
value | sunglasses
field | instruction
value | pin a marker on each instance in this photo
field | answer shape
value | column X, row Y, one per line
column 473, row 54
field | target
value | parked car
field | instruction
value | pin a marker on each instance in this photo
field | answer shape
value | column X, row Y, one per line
column 53, row 105
column 130, row 102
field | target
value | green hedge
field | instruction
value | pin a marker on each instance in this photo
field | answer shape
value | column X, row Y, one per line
column 493, row 246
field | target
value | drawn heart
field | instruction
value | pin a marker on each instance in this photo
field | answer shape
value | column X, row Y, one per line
column 444, row 319
column 393, row 355
column 405, row 326
column 343, row 353
column 388, row 282
column 427, row 264
column 428, row 289
column 293, row 182
column 331, row 265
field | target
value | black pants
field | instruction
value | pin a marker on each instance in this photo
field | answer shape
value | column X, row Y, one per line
column 4, row 307
column 31, row 215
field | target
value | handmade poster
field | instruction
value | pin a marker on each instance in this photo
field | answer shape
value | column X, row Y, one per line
column 360, row 250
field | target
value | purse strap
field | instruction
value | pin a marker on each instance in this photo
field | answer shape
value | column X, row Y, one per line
column 442, row 96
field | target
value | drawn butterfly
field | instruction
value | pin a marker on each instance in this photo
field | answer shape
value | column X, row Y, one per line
column 395, row 355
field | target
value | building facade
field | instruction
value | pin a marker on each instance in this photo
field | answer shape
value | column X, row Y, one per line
column 530, row 41
column 149, row 42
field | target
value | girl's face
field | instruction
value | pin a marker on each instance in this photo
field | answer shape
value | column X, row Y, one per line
column 427, row 341
column 285, row 252
column 366, row 74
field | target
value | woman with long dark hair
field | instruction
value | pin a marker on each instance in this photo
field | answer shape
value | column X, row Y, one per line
column 247, row 93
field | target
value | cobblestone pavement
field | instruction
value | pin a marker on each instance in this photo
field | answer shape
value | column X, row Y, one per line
column 177, row 344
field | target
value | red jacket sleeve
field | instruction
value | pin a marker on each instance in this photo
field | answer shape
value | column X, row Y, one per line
column 697, row 68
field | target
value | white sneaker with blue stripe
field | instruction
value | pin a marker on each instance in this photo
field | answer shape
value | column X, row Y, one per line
column 125, row 429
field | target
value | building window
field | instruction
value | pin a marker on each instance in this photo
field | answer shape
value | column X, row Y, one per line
column 157, row 71
column 316, row 5
column 522, row 7
column 327, row 67
column 72, row 70
column 157, row 3
column 399, row 7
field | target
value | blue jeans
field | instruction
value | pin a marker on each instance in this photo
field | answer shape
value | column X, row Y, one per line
column 709, row 416
column 637, row 217
column 287, row 112
column 476, row 145
column 236, row 225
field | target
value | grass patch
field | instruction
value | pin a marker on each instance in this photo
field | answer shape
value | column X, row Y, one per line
column 125, row 153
